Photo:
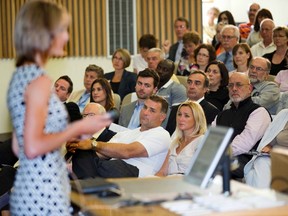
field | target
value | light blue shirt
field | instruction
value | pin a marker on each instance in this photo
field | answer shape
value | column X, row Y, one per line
column 83, row 100
column 135, row 118
column 227, row 59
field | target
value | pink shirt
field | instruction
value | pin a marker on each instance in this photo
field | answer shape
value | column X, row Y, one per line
column 282, row 79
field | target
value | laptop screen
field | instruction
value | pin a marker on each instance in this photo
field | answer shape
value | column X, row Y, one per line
column 207, row 156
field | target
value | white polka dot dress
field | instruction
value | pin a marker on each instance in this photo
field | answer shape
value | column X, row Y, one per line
column 41, row 186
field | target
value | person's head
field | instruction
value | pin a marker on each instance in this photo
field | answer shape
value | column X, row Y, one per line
column 101, row 93
column 153, row 112
column 213, row 13
column 92, row 72
column 280, row 36
column 226, row 17
column 181, row 25
column 252, row 12
column 218, row 74
column 92, row 109
column 191, row 41
column 63, row 87
column 146, row 42
column 230, row 37
column 197, row 85
column 204, row 54
column 165, row 70
column 259, row 69
column 154, row 56
column 40, row 32
column 261, row 15
column 190, row 120
column 266, row 30
column 121, row 59
column 241, row 55
column 146, row 83
column 239, row 87
column 219, row 28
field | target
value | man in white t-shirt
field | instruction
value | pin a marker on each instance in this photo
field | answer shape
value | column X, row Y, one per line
column 135, row 153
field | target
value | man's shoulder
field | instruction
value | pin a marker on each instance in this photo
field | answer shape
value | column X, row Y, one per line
column 207, row 105
column 75, row 95
column 265, row 85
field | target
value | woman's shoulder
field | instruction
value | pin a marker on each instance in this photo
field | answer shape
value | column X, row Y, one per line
column 129, row 74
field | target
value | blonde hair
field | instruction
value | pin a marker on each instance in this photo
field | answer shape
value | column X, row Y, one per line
column 200, row 126
column 36, row 25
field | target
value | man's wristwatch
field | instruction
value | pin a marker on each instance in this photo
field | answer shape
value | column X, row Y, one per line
column 94, row 144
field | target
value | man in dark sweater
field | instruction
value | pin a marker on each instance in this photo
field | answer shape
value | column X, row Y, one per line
column 249, row 120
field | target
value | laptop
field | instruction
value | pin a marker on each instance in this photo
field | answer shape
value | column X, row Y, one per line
column 208, row 155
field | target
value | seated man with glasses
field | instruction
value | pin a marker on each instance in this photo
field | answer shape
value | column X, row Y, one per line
column 248, row 119
column 230, row 37
column 265, row 93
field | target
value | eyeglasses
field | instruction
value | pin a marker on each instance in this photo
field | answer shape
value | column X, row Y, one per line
column 203, row 55
column 88, row 114
column 237, row 85
column 228, row 37
column 252, row 67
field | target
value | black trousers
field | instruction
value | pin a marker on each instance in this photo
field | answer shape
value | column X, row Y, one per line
column 86, row 164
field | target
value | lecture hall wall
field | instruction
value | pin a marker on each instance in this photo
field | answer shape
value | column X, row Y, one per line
column 74, row 67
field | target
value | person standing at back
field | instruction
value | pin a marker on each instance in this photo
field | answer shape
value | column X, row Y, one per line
column 181, row 26
column 38, row 117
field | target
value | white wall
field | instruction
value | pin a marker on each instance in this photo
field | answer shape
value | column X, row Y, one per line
column 239, row 9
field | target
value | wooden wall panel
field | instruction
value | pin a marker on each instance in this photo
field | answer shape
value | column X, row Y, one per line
column 88, row 29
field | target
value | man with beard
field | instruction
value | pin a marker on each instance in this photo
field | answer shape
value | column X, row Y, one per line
column 248, row 119
column 173, row 92
column 146, row 85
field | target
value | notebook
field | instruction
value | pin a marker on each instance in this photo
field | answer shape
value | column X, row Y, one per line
column 99, row 186
column 208, row 155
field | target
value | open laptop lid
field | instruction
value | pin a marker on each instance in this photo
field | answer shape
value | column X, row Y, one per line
column 207, row 156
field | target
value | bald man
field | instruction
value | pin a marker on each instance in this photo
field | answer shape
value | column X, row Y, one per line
column 248, row 119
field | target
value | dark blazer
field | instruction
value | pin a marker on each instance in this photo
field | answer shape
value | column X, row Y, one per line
column 73, row 111
column 127, row 83
column 173, row 51
column 210, row 112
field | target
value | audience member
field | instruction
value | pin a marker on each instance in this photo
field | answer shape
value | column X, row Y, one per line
column 191, row 41
column 265, row 93
column 154, row 56
column 258, row 170
column 204, row 54
column 181, row 26
column 136, row 153
column 242, row 57
column 209, row 30
column 230, row 37
column 197, row 86
column 245, row 28
column 173, row 92
column 266, row 45
column 122, row 81
column 277, row 58
column 146, row 42
column 146, row 85
column 39, row 118
column 63, row 88
column 254, row 36
column 282, row 77
column 216, row 43
column 82, row 97
column 248, row 119
column 226, row 17
column 217, row 74
column 101, row 93
column 190, row 129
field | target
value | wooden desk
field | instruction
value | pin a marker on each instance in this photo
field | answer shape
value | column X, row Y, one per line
column 104, row 207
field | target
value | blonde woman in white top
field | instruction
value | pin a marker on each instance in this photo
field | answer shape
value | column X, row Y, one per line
column 190, row 129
